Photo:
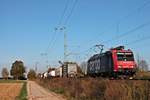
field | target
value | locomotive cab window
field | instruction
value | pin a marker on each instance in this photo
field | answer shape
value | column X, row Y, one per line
column 129, row 57
column 125, row 57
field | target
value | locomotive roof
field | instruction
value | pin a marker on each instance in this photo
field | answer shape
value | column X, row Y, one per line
column 123, row 50
column 120, row 49
column 99, row 55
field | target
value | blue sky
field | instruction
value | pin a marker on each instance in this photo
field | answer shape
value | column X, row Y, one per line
column 27, row 27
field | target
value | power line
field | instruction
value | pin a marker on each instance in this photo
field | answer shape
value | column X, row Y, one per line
column 139, row 40
column 136, row 10
column 84, row 51
column 54, row 38
column 65, row 34
column 63, row 13
column 71, row 12
column 127, row 16
column 131, row 13
column 128, row 32
column 130, row 43
column 51, row 41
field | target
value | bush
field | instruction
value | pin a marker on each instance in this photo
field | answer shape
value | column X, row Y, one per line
column 31, row 74
column 142, row 75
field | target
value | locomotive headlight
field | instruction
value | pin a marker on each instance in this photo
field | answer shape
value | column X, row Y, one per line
column 119, row 66
column 131, row 66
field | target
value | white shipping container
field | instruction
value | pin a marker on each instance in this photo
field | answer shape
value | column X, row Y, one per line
column 72, row 68
column 52, row 73
column 59, row 72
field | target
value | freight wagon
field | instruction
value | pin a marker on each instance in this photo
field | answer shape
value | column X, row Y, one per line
column 52, row 73
column 69, row 69
column 58, row 72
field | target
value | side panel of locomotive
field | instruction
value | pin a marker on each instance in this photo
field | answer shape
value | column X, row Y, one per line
column 100, row 64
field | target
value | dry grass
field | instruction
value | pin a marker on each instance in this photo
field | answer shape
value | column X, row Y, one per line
column 127, row 90
column 9, row 91
column 142, row 75
column 98, row 89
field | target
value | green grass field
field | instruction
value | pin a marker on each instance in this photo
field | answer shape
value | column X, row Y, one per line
column 12, row 81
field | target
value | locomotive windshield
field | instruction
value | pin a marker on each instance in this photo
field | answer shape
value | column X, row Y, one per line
column 125, row 56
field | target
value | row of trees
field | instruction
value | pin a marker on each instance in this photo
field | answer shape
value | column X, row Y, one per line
column 17, row 71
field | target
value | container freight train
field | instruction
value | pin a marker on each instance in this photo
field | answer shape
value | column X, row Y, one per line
column 115, row 63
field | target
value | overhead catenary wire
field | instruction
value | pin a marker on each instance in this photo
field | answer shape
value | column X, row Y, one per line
column 139, row 40
column 89, row 52
column 132, row 30
column 130, row 43
column 141, row 7
column 128, row 32
column 129, row 14
column 122, row 35
column 71, row 12
column 146, row 2
column 54, row 38
column 61, row 24
column 64, row 27
column 51, row 41
column 63, row 13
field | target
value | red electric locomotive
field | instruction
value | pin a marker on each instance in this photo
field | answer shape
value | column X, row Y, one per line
column 115, row 62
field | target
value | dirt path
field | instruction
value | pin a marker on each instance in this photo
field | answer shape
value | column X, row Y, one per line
column 36, row 92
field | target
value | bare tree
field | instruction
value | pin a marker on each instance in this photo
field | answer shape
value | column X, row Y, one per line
column 143, row 65
column 5, row 73
column 84, row 67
